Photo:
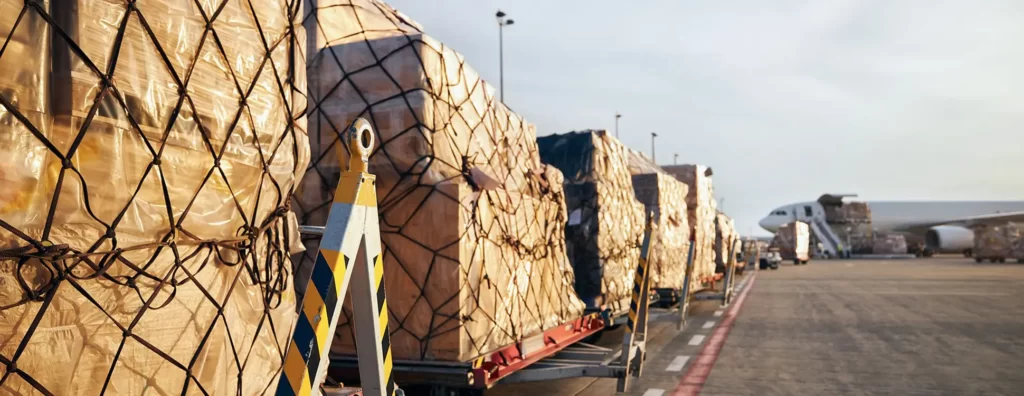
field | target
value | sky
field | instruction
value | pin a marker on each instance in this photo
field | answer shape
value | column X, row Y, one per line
column 785, row 100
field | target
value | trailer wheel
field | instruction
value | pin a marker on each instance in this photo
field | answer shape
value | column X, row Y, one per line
column 805, row 262
column 1002, row 260
column 1020, row 261
column 992, row 260
column 978, row 259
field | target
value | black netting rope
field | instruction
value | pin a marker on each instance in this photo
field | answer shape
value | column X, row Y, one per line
column 408, row 196
column 266, row 264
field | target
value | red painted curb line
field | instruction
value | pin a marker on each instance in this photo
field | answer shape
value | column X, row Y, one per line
column 692, row 383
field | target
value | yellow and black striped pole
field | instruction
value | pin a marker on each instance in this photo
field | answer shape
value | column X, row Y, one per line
column 633, row 343
column 350, row 248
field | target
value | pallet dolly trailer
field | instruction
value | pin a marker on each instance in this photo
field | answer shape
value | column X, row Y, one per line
column 556, row 353
column 680, row 299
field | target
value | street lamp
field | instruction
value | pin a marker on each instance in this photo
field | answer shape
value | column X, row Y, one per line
column 653, row 135
column 617, row 116
column 675, row 159
column 502, row 22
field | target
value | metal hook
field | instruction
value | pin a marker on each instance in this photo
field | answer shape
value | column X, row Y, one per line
column 360, row 136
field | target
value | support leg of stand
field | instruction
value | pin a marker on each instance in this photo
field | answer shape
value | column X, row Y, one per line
column 684, row 302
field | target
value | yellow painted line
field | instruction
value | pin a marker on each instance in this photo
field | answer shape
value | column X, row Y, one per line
column 295, row 370
column 337, row 263
column 312, row 304
column 387, row 363
column 378, row 271
column 348, row 190
column 383, row 319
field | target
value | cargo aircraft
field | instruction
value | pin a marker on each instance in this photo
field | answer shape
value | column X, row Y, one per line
column 928, row 226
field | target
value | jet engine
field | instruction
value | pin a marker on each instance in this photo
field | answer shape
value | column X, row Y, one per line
column 949, row 239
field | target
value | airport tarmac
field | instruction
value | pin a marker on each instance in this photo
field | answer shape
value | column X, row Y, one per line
column 939, row 326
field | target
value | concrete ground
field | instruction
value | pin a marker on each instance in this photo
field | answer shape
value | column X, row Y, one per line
column 942, row 326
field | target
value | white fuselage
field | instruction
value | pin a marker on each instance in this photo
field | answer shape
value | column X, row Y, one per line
column 887, row 216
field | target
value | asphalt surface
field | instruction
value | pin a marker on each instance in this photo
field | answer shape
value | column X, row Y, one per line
column 943, row 326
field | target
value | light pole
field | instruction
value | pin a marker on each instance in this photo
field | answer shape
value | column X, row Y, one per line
column 617, row 116
column 502, row 22
column 675, row 159
column 653, row 135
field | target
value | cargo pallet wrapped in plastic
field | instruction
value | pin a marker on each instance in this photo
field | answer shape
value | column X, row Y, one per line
column 725, row 237
column 665, row 196
column 467, row 211
column 792, row 240
column 995, row 243
column 701, row 208
column 1017, row 253
column 851, row 222
column 606, row 222
column 889, row 244
column 151, row 149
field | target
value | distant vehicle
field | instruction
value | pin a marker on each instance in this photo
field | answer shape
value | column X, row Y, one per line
column 770, row 259
column 930, row 226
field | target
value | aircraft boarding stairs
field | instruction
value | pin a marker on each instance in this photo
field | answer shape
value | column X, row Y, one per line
column 826, row 236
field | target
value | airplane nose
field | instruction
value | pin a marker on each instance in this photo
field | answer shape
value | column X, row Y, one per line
column 764, row 224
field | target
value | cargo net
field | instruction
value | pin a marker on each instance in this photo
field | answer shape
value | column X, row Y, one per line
column 665, row 196
column 467, row 211
column 606, row 222
column 150, row 150
column 701, row 209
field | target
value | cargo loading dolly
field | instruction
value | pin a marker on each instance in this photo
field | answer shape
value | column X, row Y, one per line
column 680, row 299
column 556, row 353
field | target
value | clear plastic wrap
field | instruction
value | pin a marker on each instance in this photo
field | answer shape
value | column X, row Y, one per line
column 725, row 237
column 702, row 209
column 606, row 222
column 793, row 241
column 467, row 210
column 995, row 242
column 666, row 197
column 150, row 154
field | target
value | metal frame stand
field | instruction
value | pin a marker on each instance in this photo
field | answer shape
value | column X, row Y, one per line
column 684, row 303
column 727, row 282
column 350, row 248
column 634, row 342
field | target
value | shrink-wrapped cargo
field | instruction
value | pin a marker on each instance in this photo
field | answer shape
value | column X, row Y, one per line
column 149, row 156
column 851, row 222
column 725, row 237
column 665, row 196
column 1018, row 250
column 606, row 222
column 467, row 211
column 792, row 240
column 701, row 210
column 889, row 244
column 995, row 242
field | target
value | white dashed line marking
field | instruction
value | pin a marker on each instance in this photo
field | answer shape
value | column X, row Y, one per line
column 678, row 363
column 719, row 313
column 709, row 324
column 697, row 339
column 654, row 392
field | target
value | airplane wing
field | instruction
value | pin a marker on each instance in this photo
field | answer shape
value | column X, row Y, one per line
column 968, row 222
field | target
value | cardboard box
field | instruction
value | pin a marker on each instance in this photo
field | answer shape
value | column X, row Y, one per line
column 467, row 211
